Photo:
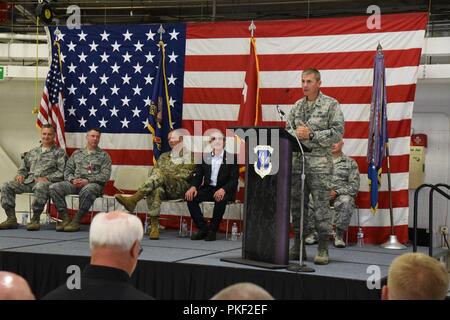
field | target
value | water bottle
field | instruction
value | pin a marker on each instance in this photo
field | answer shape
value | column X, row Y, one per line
column 184, row 229
column 234, row 232
column 360, row 237
column 146, row 226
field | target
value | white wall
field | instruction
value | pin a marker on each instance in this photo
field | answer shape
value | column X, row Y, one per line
column 18, row 131
column 432, row 117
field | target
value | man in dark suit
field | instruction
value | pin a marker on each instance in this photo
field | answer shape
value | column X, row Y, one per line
column 115, row 241
column 215, row 179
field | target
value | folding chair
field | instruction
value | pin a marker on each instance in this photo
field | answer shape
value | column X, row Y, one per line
column 129, row 178
column 181, row 207
column 30, row 196
column 72, row 197
column 208, row 207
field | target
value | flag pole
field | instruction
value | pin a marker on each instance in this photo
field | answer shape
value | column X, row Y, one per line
column 388, row 164
column 392, row 242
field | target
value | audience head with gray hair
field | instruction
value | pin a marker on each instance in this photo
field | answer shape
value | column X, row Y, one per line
column 14, row 287
column 416, row 276
column 243, row 291
column 115, row 240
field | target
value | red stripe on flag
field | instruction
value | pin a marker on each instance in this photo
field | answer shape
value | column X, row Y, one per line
column 399, row 199
column 339, row 60
column 379, row 235
column 127, row 157
column 43, row 112
column 307, row 27
column 359, row 129
column 131, row 157
column 322, row 61
column 399, row 163
column 353, row 130
column 345, row 95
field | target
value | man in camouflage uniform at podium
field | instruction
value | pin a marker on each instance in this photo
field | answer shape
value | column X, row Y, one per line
column 318, row 122
column 169, row 179
column 40, row 167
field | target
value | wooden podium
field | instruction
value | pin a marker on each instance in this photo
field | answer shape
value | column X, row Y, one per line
column 265, row 242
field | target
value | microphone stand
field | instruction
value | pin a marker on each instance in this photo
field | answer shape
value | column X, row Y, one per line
column 300, row 267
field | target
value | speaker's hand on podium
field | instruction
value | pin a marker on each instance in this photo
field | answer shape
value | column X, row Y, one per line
column 191, row 193
column 219, row 194
column 302, row 132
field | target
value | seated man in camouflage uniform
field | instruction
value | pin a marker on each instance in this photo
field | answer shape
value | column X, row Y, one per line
column 344, row 188
column 169, row 179
column 39, row 169
column 86, row 173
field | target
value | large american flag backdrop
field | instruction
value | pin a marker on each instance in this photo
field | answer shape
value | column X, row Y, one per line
column 109, row 71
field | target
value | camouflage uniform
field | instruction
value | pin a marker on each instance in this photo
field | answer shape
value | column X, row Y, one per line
column 346, row 184
column 94, row 166
column 169, row 179
column 325, row 119
column 37, row 163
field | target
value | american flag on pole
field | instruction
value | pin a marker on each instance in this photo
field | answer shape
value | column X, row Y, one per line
column 51, row 109
column 109, row 73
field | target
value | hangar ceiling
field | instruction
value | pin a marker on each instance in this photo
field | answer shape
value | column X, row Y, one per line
column 19, row 16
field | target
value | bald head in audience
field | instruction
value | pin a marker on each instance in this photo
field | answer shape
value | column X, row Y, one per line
column 243, row 291
column 14, row 287
column 416, row 276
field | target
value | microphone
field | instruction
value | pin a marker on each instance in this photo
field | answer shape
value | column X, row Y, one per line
column 280, row 112
column 301, row 267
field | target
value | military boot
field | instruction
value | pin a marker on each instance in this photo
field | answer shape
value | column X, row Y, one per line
column 339, row 239
column 74, row 225
column 130, row 202
column 11, row 220
column 65, row 221
column 154, row 228
column 322, row 251
column 311, row 238
column 34, row 224
column 294, row 251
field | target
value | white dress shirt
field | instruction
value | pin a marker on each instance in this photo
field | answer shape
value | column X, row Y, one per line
column 216, row 162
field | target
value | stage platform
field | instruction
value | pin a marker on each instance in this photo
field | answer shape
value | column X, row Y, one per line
column 179, row 268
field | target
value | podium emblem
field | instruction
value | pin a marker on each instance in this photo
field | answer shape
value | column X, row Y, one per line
column 263, row 164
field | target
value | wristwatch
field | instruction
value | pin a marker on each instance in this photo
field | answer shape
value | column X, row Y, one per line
column 311, row 135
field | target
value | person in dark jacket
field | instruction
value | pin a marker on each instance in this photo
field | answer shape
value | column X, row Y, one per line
column 215, row 179
column 115, row 242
